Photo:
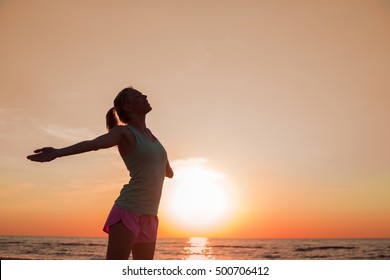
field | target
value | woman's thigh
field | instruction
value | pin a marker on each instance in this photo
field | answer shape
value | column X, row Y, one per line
column 120, row 242
column 144, row 251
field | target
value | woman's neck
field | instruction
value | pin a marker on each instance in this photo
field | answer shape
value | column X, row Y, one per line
column 139, row 122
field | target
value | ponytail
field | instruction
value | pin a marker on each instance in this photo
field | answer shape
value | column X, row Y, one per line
column 111, row 120
column 118, row 114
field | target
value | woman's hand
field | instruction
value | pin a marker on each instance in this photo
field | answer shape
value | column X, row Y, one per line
column 44, row 155
column 168, row 170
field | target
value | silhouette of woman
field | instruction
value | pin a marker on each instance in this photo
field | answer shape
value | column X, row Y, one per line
column 132, row 222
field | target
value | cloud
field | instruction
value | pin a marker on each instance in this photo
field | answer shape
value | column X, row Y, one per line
column 196, row 169
column 188, row 162
column 71, row 134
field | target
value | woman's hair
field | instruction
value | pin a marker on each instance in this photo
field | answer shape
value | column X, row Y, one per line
column 117, row 111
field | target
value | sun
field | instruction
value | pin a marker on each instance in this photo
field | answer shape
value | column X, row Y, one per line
column 198, row 199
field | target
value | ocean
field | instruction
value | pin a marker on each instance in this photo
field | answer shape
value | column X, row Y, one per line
column 94, row 248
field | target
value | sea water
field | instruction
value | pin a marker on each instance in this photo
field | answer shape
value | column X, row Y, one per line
column 94, row 248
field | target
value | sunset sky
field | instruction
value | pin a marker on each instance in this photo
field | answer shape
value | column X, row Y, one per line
column 275, row 114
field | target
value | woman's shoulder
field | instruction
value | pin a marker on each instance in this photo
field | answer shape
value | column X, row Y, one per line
column 123, row 130
column 128, row 141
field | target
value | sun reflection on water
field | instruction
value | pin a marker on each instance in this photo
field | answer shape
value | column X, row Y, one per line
column 198, row 249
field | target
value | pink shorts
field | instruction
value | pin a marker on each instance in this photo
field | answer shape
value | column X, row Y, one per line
column 144, row 227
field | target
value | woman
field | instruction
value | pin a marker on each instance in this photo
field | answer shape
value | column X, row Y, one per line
column 132, row 223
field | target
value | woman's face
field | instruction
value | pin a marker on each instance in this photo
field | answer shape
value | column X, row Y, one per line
column 138, row 102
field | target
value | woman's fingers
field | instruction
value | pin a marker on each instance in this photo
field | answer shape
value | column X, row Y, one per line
column 33, row 157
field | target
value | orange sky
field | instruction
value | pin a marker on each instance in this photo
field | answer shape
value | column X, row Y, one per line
column 284, row 103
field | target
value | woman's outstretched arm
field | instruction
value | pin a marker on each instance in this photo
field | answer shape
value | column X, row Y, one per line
column 110, row 139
